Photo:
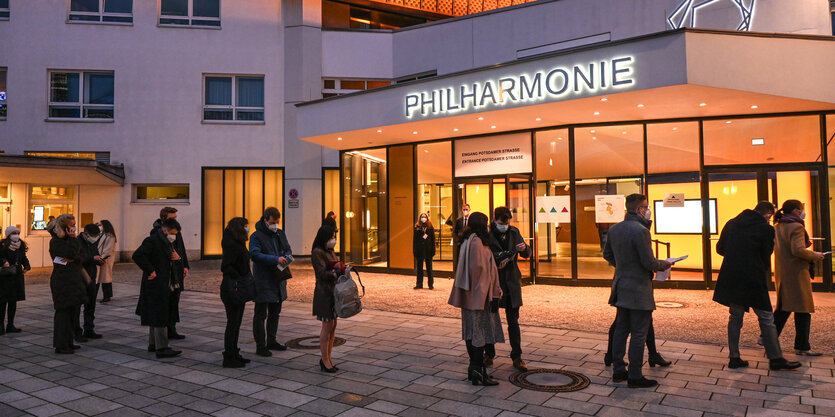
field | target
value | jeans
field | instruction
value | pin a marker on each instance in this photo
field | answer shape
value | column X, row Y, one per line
column 513, row 333
column 62, row 328
column 419, row 262
column 264, row 335
column 802, row 327
column 158, row 337
column 767, row 330
column 89, row 310
column 636, row 323
column 651, row 349
column 234, row 317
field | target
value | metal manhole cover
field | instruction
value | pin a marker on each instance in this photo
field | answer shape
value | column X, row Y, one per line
column 669, row 304
column 311, row 342
column 550, row 380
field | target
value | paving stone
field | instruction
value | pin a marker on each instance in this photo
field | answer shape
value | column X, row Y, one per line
column 234, row 412
column 282, row 397
column 386, row 407
column 47, row 410
column 90, row 407
column 325, row 407
column 59, row 394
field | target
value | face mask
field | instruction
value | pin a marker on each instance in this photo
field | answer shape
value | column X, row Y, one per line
column 171, row 238
column 502, row 228
column 466, row 212
column 331, row 243
column 101, row 229
column 246, row 229
column 273, row 227
column 92, row 239
column 648, row 214
column 71, row 230
column 423, row 219
column 14, row 238
column 802, row 214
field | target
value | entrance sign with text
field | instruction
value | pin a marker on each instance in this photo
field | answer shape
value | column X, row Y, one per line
column 495, row 155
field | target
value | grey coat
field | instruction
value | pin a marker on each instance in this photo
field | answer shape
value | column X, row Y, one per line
column 629, row 249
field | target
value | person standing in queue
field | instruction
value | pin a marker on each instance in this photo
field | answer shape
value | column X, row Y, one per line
column 69, row 290
column 792, row 279
column 629, row 249
column 746, row 243
column 507, row 245
column 235, row 265
column 157, row 258
column 327, row 268
column 91, row 260
column 12, row 287
column 271, row 255
column 423, row 247
column 476, row 292
column 182, row 269
column 107, row 250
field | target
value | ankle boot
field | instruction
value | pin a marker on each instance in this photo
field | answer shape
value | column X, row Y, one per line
column 241, row 358
column 231, row 361
column 656, row 359
column 607, row 359
column 479, row 376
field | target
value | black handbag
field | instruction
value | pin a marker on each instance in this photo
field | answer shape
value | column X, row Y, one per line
column 242, row 289
column 7, row 271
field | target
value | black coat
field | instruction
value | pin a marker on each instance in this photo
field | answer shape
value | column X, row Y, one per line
column 89, row 251
column 13, row 288
column 234, row 262
column 67, row 283
column 423, row 248
column 180, row 247
column 324, row 300
column 154, row 255
column 746, row 242
column 503, row 246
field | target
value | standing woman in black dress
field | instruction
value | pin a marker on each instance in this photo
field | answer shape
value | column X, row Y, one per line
column 12, row 254
column 69, row 289
column 235, row 265
column 423, row 247
column 327, row 268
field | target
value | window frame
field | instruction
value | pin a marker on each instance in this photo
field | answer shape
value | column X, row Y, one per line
column 183, row 201
column 101, row 14
column 190, row 17
column 7, row 11
column 80, row 103
column 233, row 107
column 4, row 99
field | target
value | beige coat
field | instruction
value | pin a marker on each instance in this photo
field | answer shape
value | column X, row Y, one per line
column 107, row 250
column 483, row 277
column 791, row 273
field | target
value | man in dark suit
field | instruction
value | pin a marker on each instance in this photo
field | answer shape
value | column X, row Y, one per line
column 458, row 230
column 180, row 274
column 629, row 249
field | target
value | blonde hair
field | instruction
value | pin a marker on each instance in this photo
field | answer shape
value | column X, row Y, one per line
column 61, row 223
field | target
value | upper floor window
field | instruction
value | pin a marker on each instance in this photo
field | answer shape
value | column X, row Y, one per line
column 239, row 98
column 190, row 13
column 4, row 9
column 3, row 105
column 336, row 87
column 96, row 11
column 80, row 95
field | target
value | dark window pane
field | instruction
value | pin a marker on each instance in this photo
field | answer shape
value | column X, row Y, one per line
column 256, row 115
column 219, row 91
column 352, row 85
column 98, row 113
column 4, row 14
column 83, row 18
column 118, row 6
column 173, row 21
column 196, row 22
column 331, row 84
column 4, row 4
column 64, row 87
column 99, row 88
column 84, row 5
column 206, row 8
column 250, row 92
column 2, row 110
column 64, row 111
column 217, row 114
column 118, row 19
column 3, row 82
column 174, row 7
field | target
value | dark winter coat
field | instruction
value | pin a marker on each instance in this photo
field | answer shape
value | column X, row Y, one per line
column 67, row 283
column 234, row 263
column 746, row 242
column 326, row 275
column 89, row 251
column 13, row 288
column 423, row 248
column 180, row 247
column 154, row 255
column 629, row 249
column 503, row 246
column 265, row 247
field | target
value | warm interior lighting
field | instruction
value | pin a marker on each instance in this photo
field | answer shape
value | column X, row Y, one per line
column 702, row 104
column 623, row 133
column 480, row 118
column 728, row 122
column 493, row 127
column 592, row 131
column 426, row 150
column 455, row 129
column 553, row 143
column 415, row 132
column 604, row 99
column 594, row 138
column 538, row 119
column 758, row 141
column 597, row 113
column 640, row 105
column 339, row 138
column 551, row 161
column 559, row 138
column 755, row 107
column 379, row 131
column 675, row 128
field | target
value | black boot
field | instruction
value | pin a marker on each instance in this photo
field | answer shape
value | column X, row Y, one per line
column 479, row 376
column 657, row 359
column 241, row 358
column 230, row 360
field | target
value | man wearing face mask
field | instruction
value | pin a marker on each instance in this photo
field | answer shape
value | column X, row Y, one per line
column 91, row 259
column 157, row 258
column 458, row 230
column 629, row 249
column 423, row 248
column 271, row 256
column 181, row 271
column 507, row 245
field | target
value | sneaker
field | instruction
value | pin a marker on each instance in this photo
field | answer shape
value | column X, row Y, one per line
column 276, row 346
column 620, row 376
column 806, row 352
column 737, row 363
column 782, row 365
column 641, row 383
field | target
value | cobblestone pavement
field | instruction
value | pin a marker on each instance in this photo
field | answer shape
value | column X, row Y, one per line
column 392, row 364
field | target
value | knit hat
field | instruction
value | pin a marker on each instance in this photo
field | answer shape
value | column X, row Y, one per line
column 12, row 229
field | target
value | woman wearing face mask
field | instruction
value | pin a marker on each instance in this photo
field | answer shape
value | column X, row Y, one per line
column 791, row 274
column 327, row 268
column 107, row 250
column 235, row 265
column 423, row 247
column 12, row 254
column 69, row 291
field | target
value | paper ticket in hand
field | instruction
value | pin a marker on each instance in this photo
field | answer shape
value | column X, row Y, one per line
column 674, row 260
column 665, row 274
column 60, row 261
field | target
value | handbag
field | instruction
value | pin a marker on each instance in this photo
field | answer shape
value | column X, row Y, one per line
column 7, row 271
column 242, row 289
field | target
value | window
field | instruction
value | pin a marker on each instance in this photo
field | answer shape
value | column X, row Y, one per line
column 4, row 9
column 244, row 102
column 190, row 13
column 336, row 87
column 81, row 95
column 107, row 11
column 74, row 155
column 167, row 192
column 46, row 202
column 3, row 105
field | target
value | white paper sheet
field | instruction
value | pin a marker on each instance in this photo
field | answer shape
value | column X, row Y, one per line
column 665, row 274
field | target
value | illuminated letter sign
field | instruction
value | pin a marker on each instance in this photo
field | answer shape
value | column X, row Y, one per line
column 560, row 82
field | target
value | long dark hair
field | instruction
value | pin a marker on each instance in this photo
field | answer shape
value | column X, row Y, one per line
column 324, row 234
column 236, row 228
column 23, row 246
column 107, row 227
column 477, row 224
column 788, row 207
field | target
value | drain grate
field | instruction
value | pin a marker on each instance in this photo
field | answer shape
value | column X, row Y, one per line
column 670, row 304
column 550, row 380
column 311, row 342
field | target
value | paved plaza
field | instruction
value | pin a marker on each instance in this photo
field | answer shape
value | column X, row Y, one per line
column 392, row 364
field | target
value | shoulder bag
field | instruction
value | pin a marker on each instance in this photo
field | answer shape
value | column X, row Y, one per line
column 242, row 289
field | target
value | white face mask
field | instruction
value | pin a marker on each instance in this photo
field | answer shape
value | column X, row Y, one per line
column 101, row 229
column 802, row 214
column 15, row 237
column 171, row 238
column 246, row 229
column 273, row 227
column 423, row 219
column 466, row 212
column 648, row 214
column 502, row 228
column 331, row 243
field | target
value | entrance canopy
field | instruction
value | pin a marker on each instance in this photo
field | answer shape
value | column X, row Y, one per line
column 675, row 74
column 40, row 170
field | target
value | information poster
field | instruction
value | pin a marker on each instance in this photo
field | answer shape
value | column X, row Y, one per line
column 553, row 209
column 674, row 200
column 503, row 154
column 609, row 208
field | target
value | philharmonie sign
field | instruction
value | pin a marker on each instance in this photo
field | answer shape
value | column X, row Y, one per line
column 556, row 83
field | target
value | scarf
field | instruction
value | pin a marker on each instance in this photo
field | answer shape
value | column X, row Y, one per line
column 791, row 218
column 462, row 274
column 14, row 245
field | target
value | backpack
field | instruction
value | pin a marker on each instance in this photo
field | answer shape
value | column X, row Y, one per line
column 346, row 294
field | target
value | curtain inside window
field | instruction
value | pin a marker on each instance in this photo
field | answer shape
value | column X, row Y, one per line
column 118, row 6
column 250, row 92
column 174, row 7
column 219, row 91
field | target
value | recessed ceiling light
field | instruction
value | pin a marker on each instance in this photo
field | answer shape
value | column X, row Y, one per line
column 455, row 130
column 702, row 104
column 559, row 138
column 480, row 118
column 758, row 141
column 640, row 105
column 592, row 131
column 553, row 143
column 415, row 132
column 538, row 119
column 339, row 138
column 493, row 127
column 426, row 150
column 604, row 99
column 623, row 133
column 594, row 138
column 675, row 128
column 755, row 107
column 379, row 131
column 597, row 113
column 728, row 122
